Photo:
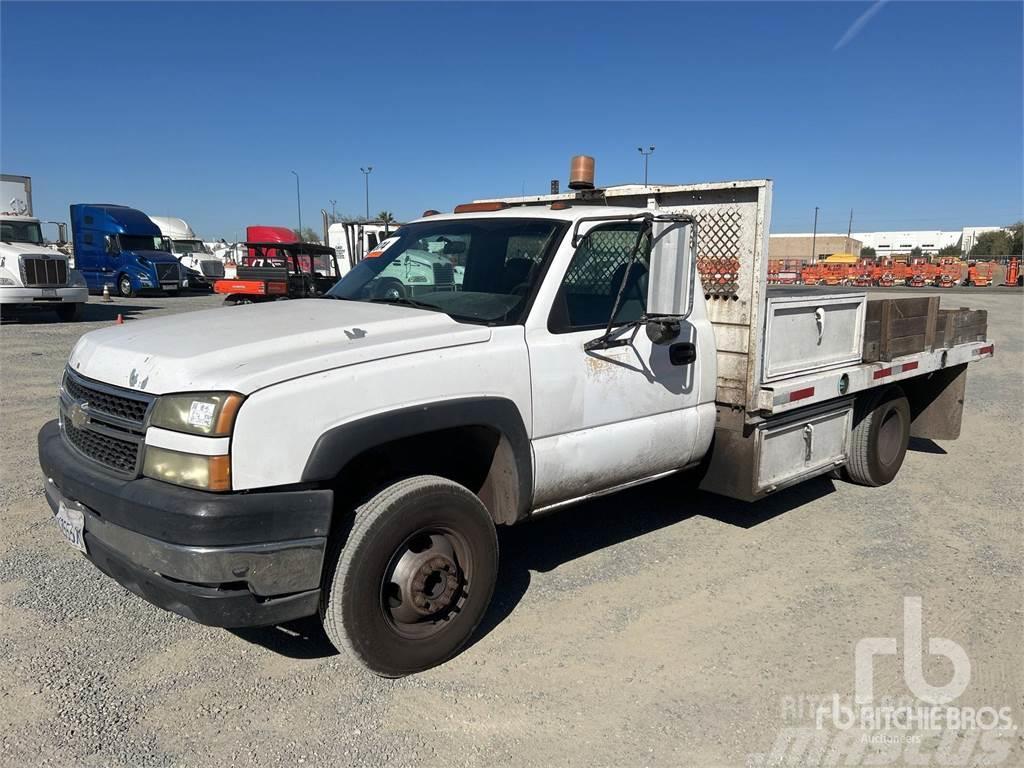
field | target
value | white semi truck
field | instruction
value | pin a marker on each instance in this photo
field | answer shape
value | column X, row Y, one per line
column 350, row 456
column 31, row 273
column 192, row 253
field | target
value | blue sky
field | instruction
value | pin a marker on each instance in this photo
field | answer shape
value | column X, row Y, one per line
column 203, row 111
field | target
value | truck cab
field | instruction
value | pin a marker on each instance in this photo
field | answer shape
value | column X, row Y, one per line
column 33, row 275
column 202, row 266
column 121, row 247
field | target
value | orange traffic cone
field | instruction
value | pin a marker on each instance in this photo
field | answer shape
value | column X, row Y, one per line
column 120, row 319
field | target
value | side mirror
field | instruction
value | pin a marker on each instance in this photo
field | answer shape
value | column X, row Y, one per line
column 671, row 279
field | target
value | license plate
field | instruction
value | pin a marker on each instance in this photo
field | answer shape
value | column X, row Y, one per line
column 71, row 523
column 50, row 293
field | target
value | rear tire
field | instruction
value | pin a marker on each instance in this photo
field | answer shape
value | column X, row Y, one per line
column 68, row 313
column 880, row 437
column 414, row 578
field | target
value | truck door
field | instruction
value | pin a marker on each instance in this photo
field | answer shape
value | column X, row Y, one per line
column 611, row 416
column 91, row 257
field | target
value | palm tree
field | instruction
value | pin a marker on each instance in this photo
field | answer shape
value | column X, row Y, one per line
column 387, row 217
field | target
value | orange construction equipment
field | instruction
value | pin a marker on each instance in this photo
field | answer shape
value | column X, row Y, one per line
column 950, row 272
column 784, row 271
column 979, row 273
column 1013, row 274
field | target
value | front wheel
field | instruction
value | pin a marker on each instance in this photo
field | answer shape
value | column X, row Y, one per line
column 414, row 578
column 124, row 286
column 67, row 313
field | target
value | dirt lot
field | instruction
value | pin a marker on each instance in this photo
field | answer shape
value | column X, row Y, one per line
column 655, row 627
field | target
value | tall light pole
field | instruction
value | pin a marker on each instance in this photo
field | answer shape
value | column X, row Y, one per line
column 647, row 154
column 814, row 236
column 298, row 202
column 366, row 175
column 334, row 209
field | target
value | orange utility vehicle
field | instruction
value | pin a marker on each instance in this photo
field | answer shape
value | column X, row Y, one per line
column 1013, row 273
column 281, row 271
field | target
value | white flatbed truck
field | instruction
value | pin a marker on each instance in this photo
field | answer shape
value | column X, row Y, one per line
column 350, row 456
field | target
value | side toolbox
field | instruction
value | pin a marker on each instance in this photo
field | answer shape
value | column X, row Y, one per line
column 749, row 461
column 808, row 330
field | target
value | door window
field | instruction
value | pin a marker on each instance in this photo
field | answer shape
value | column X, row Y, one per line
column 599, row 268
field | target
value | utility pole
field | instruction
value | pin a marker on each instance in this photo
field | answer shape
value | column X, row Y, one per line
column 334, row 210
column 849, row 231
column 366, row 176
column 814, row 236
column 647, row 154
column 298, row 203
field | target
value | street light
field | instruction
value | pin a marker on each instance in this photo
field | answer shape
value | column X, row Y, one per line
column 648, row 153
column 814, row 236
column 366, row 175
column 298, row 202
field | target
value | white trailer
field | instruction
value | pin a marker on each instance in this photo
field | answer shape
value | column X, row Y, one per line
column 33, row 275
column 349, row 457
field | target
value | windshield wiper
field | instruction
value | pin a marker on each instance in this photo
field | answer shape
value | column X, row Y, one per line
column 404, row 300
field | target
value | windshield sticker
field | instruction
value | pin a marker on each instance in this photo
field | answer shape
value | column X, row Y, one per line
column 383, row 246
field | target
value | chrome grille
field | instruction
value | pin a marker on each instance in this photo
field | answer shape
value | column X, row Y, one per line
column 105, row 401
column 43, row 271
column 110, row 451
column 444, row 275
column 166, row 272
column 104, row 424
column 212, row 268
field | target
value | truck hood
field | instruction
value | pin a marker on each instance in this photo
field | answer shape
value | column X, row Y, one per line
column 246, row 348
column 154, row 256
column 14, row 250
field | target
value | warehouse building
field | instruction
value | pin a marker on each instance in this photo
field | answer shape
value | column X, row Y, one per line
column 825, row 244
column 929, row 241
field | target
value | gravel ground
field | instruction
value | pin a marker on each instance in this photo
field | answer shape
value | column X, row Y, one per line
column 654, row 627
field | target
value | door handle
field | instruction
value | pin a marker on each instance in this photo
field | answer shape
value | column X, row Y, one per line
column 682, row 353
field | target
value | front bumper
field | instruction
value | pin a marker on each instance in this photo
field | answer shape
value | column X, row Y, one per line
column 229, row 560
column 17, row 294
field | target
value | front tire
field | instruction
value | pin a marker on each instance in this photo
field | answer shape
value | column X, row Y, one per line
column 879, row 441
column 414, row 578
column 125, row 287
column 68, row 313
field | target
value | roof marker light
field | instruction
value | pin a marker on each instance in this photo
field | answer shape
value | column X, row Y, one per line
column 480, row 207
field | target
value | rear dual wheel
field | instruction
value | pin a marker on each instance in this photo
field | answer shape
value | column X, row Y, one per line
column 414, row 577
column 880, row 437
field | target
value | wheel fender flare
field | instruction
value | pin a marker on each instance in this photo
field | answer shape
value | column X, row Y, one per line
column 336, row 447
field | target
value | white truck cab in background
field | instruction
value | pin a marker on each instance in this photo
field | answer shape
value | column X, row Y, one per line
column 31, row 273
column 191, row 251
column 350, row 456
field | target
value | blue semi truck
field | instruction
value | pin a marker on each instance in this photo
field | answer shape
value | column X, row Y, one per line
column 121, row 247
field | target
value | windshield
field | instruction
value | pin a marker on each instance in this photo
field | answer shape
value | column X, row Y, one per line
column 188, row 246
column 21, row 232
column 142, row 243
column 477, row 270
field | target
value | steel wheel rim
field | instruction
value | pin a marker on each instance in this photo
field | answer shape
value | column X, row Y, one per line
column 890, row 435
column 125, row 286
column 426, row 583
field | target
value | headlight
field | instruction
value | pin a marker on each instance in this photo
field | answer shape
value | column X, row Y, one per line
column 200, row 413
column 6, row 281
column 77, row 281
column 210, row 473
